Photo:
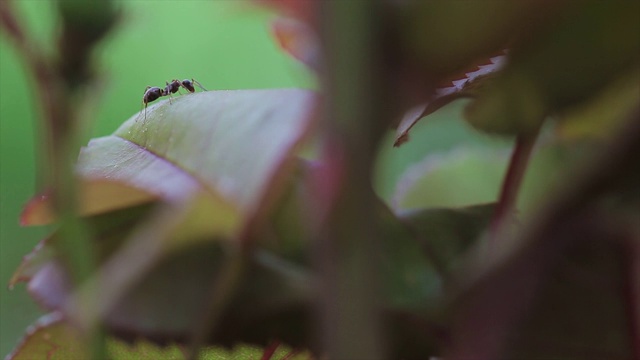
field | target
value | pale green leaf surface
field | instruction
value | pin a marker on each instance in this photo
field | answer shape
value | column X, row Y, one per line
column 232, row 142
column 462, row 177
column 470, row 176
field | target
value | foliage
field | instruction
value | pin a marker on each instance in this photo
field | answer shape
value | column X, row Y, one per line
column 248, row 217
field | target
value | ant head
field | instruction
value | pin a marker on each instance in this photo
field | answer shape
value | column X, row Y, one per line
column 188, row 84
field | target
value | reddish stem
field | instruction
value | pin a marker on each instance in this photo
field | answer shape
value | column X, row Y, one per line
column 511, row 184
column 270, row 350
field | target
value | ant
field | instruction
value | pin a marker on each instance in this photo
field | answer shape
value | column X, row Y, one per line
column 154, row 93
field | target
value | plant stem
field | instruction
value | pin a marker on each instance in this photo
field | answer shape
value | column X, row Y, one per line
column 61, row 91
column 511, row 185
column 270, row 350
column 352, row 124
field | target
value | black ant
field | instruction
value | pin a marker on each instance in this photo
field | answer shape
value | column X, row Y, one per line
column 154, row 93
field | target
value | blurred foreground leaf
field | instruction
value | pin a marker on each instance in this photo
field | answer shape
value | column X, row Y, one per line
column 600, row 118
column 561, row 295
column 448, row 36
column 564, row 62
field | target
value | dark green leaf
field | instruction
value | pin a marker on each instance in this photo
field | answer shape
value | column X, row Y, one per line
column 564, row 62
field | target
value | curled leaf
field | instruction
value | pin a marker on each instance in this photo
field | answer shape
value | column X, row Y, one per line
column 464, row 86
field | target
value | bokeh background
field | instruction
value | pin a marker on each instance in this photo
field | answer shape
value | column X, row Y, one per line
column 224, row 44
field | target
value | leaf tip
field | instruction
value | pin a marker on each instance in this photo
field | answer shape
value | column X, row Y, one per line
column 37, row 210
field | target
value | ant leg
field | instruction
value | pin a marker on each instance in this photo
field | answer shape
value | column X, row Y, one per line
column 144, row 103
column 167, row 91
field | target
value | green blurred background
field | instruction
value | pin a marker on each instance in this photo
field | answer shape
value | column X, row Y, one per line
column 224, row 44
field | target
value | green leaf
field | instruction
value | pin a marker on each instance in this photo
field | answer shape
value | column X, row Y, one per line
column 474, row 175
column 248, row 352
column 462, row 177
column 232, row 142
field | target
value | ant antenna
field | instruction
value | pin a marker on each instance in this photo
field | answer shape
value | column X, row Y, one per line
column 199, row 85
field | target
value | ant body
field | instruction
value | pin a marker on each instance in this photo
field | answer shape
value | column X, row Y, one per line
column 151, row 94
column 154, row 93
